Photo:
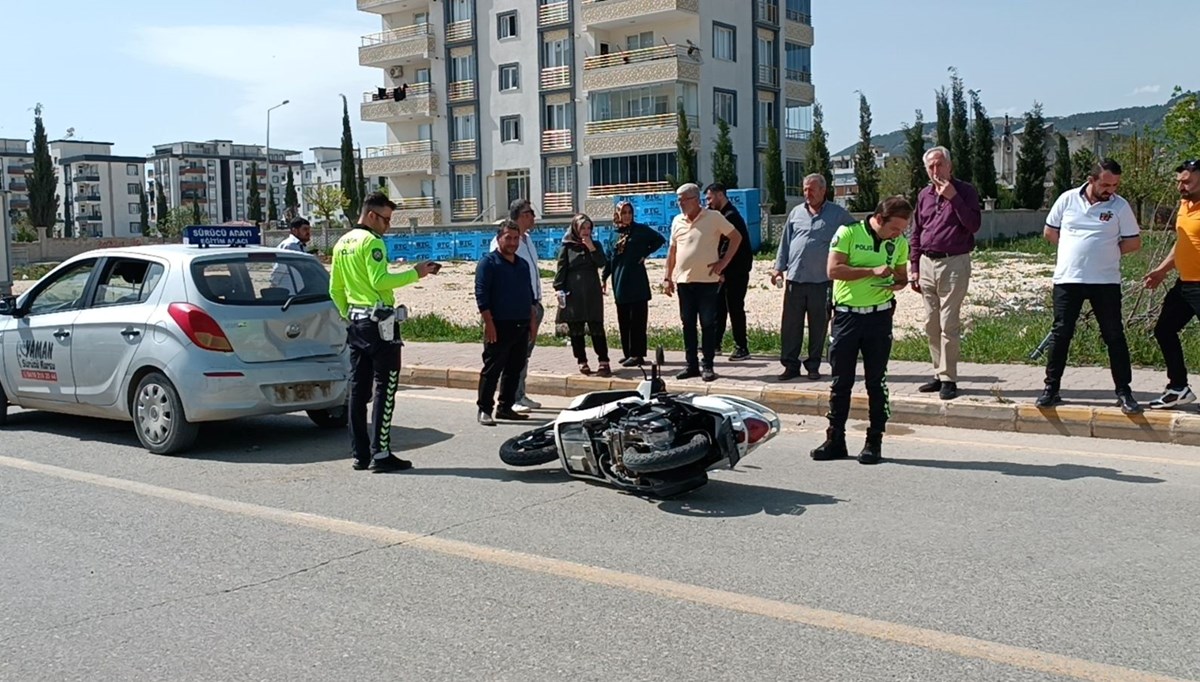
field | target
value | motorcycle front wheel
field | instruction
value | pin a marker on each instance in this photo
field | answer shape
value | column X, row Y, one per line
column 530, row 448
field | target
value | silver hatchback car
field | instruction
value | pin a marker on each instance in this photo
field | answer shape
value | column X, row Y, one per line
column 173, row 335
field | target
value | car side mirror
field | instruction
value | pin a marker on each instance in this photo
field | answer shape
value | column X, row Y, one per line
column 8, row 306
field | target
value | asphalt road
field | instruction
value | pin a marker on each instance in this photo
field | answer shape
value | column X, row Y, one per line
column 262, row 555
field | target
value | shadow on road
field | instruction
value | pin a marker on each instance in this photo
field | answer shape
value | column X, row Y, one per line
column 725, row 499
column 534, row 476
column 1060, row 472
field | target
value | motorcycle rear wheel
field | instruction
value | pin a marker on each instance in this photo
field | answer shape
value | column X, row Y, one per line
column 672, row 458
column 530, row 448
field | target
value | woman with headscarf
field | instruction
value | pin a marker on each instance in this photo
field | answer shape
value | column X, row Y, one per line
column 631, row 286
column 580, row 297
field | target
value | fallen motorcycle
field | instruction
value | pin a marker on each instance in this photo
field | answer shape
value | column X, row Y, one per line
column 646, row 441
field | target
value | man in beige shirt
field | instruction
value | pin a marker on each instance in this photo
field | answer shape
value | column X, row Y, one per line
column 694, row 270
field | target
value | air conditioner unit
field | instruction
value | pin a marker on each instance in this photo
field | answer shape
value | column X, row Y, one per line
column 396, row 71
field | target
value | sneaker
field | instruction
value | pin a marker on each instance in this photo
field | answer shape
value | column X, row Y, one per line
column 528, row 403
column 519, row 408
column 1172, row 398
column 1127, row 403
column 510, row 415
column 632, row 362
column 361, row 464
column 708, row 374
column 930, row 387
column 485, row 419
column 688, row 373
column 948, row 391
column 1049, row 397
column 740, row 354
column 389, row 463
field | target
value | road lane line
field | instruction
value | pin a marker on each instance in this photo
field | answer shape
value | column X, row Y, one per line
column 958, row 645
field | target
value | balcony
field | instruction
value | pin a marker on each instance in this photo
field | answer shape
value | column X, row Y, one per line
column 390, row 6
column 635, row 135
column 768, row 76
column 422, row 210
column 465, row 209
column 86, row 177
column 15, row 186
column 607, row 191
column 87, row 197
column 797, row 32
column 557, row 141
column 464, row 150
column 402, row 158
column 558, row 203
column 795, row 142
column 459, row 31
column 398, row 46
column 461, row 91
column 420, row 102
column 768, row 13
column 798, row 76
column 608, row 14
column 553, row 14
column 89, row 218
column 555, row 77
column 641, row 67
column 798, row 17
column 801, row 91
column 20, row 169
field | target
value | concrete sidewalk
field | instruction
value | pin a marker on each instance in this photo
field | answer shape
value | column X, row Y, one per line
column 992, row 397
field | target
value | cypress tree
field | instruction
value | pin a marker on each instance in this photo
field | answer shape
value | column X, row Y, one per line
column 960, row 132
column 915, row 137
column 42, row 183
column 350, row 184
column 942, row 103
column 1030, row 186
column 983, row 146
column 291, row 200
column 866, row 175
column 724, row 167
column 1062, row 167
column 817, row 159
column 254, row 212
column 776, row 193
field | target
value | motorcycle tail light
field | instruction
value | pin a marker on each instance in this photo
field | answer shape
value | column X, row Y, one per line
column 756, row 429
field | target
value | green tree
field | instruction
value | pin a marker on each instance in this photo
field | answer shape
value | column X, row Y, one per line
column 1081, row 165
column 1181, row 127
column 291, row 201
column 914, row 136
column 326, row 202
column 895, row 177
column 254, row 210
column 197, row 215
column 960, row 131
column 171, row 224
column 362, row 183
column 1032, row 166
column 1062, row 167
column 42, row 184
column 143, row 211
column 776, row 194
column 1145, row 173
column 942, row 104
column 685, row 155
column 866, row 174
column 816, row 159
column 983, row 146
column 724, row 166
column 350, row 186
column 161, row 208
column 272, row 206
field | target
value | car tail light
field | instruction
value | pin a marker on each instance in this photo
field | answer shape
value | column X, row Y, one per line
column 756, row 429
column 199, row 327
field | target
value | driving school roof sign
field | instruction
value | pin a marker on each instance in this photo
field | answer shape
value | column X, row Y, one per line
column 221, row 235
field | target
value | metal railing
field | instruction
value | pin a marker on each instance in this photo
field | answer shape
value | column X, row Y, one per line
column 460, row 30
column 413, row 90
column 556, row 140
column 558, row 202
column 768, row 75
column 645, row 54
column 617, row 125
column 555, row 77
column 797, row 134
column 554, row 13
column 87, row 197
column 414, row 204
column 464, row 209
column 400, row 149
column 460, row 90
column 463, row 150
column 397, row 35
column 768, row 12
column 85, row 177
column 795, row 15
column 798, row 75
column 604, row 191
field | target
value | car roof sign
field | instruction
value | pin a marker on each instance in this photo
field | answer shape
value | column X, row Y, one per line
column 221, row 235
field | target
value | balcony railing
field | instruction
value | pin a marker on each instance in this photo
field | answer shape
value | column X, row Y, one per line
column 400, row 149
column 460, row 91
column 768, row 75
column 86, row 177
column 556, row 77
column 397, row 35
column 619, row 125
column 797, row 16
column 556, row 140
column 463, row 150
column 17, row 187
column 798, row 76
column 797, row 134
column 414, row 204
column 19, row 170
column 87, row 197
column 554, row 13
column 646, row 54
column 460, row 30
column 558, row 203
column 603, row 191
column 192, row 170
column 89, row 218
column 768, row 12
column 464, row 209
column 391, row 94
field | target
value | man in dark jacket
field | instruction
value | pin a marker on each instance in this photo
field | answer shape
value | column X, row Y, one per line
column 634, row 243
column 736, row 276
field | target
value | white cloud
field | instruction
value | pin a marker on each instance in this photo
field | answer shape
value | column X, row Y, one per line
column 308, row 65
column 1145, row 90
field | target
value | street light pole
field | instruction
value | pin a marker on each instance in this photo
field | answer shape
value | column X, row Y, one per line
column 267, row 151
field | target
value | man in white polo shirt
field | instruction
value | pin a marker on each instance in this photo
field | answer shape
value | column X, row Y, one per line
column 1092, row 227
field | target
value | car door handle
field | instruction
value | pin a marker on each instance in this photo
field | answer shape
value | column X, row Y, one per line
column 61, row 334
column 130, row 332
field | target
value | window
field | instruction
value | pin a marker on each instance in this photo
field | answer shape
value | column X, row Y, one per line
column 135, row 228
column 461, row 10
column 423, row 75
column 793, row 177
column 638, row 41
column 799, row 10
column 135, row 209
column 510, row 128
column 462, row 68
column 799, row 62
column 725, row 106
column 506, row 25
column 797, row 120
column 127, row 281
column 517, row 185
column 556, row 53
column 65, row 292
column 464, row 126
column 766, row 119
column 132, row 169
column 424, row 131
column 558, row 117
column 133, row 188
column 510, row 77
column 464, row 185
column 421, row 18
column 624, row 170
column 560, row 179
column 724, row 42
column 239, row 281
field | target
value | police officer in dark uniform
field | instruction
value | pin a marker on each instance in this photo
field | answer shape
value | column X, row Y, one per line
column 868, row 262
column 362, row 289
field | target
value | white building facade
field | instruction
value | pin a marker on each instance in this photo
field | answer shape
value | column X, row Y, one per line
column 216, row 176
column 99, row 193
column 15, row 163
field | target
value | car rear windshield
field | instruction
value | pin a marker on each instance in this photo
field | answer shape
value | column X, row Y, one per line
column 259, row 278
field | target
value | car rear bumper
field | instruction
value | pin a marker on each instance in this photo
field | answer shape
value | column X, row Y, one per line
column 229, row 388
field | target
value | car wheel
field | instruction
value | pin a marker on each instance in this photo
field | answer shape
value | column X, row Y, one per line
column 332, row 418
column 158, row 417
column 3, row 407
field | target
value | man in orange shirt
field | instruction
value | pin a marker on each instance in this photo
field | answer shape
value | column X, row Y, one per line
column 1183, row 300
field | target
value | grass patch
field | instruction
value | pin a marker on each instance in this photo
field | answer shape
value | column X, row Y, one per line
column 546, row 274
column 33, row 271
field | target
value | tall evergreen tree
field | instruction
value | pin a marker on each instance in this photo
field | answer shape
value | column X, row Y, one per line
column 983, row 146
column 724, row 166
column 291, row 200
column 942, row 103
column 349, row 177
column 254, row 211
column 817, row 160
column 1062, row 167
column 866, row 175
column 914, row 135
column 143, row 211
column 960, row 130
column 776, row 193
column 1081, row 165
column 42, row 184
column 197, row 216
column 1032, row 166
column 272, row 206
column 685, row 155
column 161, row 208
column 362, row 181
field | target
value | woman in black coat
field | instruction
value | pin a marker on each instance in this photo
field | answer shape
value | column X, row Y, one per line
column 631, row 285
column 580, row 296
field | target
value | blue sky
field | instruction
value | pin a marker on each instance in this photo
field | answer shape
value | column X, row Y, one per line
column 137, row 73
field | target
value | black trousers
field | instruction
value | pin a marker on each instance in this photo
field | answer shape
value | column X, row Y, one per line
column 503, row 363
column 579, row 347
column 1179, row 307
column 809, row 303
column 732, row 302
column 374, row 368
column 699, row 301
column 870, row 335
column 1106, row 306
column 632, row 319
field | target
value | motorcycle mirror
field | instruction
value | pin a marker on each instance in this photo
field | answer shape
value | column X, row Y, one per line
column 659, row 357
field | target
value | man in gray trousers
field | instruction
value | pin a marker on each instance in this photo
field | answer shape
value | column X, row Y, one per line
column 801, row 261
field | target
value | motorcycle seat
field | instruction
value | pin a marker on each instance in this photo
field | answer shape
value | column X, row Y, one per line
column 599, row 398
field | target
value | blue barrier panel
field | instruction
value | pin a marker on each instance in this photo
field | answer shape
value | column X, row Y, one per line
column 755, row 230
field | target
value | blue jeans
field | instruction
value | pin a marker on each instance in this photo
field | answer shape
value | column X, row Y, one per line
column 700, row 300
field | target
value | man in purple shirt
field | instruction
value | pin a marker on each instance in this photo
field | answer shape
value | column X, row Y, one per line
column 943, row 236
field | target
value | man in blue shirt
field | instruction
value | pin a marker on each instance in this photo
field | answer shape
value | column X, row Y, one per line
column 801, row 261
column 504, row 294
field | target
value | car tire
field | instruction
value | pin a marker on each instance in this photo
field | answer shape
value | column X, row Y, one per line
column 332, row 418
column 158, row 417
column 3, row 407
column 530, row 448
column 671, row 458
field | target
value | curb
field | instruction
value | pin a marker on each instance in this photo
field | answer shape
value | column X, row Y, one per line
column 1064, row 420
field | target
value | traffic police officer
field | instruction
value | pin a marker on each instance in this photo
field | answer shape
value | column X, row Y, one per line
column 868, row 262
column 361, row 288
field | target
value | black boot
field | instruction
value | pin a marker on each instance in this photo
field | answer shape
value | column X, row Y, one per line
column 872, row 451
column 834, row 446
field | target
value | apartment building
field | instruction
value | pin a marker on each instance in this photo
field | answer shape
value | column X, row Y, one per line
column 325, row 169
column 15, row 162
column 98, row 191
column 572, row 102
column 216, row 175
